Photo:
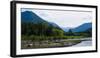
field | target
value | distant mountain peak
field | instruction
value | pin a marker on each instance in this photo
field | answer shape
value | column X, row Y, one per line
column 66, row 29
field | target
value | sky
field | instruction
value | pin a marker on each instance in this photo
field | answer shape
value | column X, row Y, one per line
column 63, row 18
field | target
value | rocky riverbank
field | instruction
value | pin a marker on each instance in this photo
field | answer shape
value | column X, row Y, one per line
column 47, row 44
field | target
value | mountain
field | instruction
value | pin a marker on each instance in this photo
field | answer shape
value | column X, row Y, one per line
column 83, row 27
column 29, row 16
column 54, row 25
column 88, row 30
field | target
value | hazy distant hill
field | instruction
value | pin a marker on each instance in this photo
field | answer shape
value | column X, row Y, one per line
column 83, row 27
column 66, row 29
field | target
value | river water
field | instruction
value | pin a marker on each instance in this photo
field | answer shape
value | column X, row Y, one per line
column 83, row 43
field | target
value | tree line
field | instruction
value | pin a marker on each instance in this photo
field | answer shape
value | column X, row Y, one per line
column 40, row 29
column 44, row 31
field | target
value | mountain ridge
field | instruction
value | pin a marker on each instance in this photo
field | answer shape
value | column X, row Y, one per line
column 82, row 27
column 29, row 16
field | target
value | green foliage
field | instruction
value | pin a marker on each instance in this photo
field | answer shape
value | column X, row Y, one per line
column 69, row 33
column 57, row 32
column 42, row 31
column 33, row 29
column 87, row 33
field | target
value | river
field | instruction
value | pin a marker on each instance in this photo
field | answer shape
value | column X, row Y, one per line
column 83, row 43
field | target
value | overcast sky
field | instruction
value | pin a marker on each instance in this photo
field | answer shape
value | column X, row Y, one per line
column 63, row 18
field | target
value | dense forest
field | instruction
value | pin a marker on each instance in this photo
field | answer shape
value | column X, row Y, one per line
column 43, row 30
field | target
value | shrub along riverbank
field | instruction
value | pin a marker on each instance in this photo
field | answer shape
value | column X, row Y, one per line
column 40, row 38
